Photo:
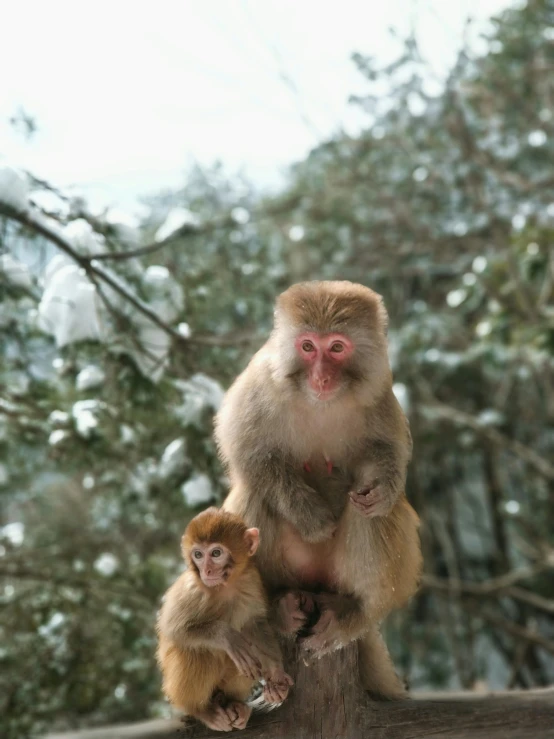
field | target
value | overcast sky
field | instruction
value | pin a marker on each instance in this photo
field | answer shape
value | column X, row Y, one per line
column 126, row 94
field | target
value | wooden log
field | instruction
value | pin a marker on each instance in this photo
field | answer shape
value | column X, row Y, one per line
column 327, row 702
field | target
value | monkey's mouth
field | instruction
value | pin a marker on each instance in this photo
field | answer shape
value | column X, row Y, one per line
column 220, row 579
column 324, row 395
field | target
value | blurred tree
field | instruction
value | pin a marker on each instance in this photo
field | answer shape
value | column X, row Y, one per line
column 445, row 204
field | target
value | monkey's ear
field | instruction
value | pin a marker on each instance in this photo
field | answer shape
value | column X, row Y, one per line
column 252, row 539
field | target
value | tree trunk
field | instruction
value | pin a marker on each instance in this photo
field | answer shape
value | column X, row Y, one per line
column 327, row 702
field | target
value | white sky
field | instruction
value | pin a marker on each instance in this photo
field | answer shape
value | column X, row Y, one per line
column 126, row 94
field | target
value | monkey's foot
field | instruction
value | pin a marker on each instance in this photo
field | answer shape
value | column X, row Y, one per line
column 373, row 501
column 323, row 636
column 294, row 610
column 216, row 717
column 277, row 687
column 239, row 713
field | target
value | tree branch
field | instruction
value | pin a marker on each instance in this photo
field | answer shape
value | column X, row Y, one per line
column 95, row 270
column 528, row 455
column 190, row 230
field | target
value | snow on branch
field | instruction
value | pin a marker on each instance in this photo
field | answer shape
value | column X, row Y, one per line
column 84, row 300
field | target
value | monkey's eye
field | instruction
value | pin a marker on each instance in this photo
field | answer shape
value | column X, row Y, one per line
column 216, row 553
column 307, row 346
column 337, row 347
column 197, row 555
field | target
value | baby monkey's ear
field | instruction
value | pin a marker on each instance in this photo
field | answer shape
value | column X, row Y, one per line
column 252, row 540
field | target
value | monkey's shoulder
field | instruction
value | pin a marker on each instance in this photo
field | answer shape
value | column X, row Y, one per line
column 386, row 418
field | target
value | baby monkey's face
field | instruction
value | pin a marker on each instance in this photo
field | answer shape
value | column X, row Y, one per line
column 213, row 562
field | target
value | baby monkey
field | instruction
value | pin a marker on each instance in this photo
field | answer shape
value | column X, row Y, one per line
column 215, row 641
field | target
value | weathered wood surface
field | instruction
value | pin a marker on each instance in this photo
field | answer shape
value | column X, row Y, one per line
column 327, row 702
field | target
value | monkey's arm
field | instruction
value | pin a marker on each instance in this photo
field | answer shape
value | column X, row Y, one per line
column 277, row 480
column 380, row 476
column 262, row 636
column 380, row 479
column 212, row 634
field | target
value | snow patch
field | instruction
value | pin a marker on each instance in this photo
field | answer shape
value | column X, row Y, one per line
column 90, row 377
column 106, row 564
column 176, row 219
column 58, row 418
column 165, row 296
column 13, row 532
column 14, row 188
column 83, row 237
column 154, row 358
column 200, row 393
column 68, row 309
column 57, row 619
column 184, row 330
column 198, row 490
column 125, row 227
column 83, row 413
column 57, row 436
column 16, row 272
column 127, row 434
column 174, row 459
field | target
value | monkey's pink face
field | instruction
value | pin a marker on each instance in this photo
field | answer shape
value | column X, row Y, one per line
column 213, row 562
column 324, row 357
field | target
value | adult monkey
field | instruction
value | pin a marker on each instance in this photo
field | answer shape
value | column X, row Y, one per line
column 317, row 447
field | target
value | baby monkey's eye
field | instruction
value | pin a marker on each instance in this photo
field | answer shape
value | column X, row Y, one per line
column 216, row 553
column 307, row 346
column 197, row 555
column 337, row 347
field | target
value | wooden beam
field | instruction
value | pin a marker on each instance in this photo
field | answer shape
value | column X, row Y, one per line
column 327, row 702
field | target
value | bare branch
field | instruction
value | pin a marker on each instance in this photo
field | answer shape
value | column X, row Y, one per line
column 492, row 586
column 528, row 455
column 189, row 230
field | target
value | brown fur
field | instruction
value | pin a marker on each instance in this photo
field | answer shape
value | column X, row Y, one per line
column 313, row 537
column 194, row 621
column 332, row 306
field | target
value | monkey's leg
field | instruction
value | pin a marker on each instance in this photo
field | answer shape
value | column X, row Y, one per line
column 376, row 668
column 190, row 679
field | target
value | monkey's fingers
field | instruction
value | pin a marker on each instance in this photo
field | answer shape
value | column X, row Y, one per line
column 270, row 693
column 276, row 693
column 372, row 503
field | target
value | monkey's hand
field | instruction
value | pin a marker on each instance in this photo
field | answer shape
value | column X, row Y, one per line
column 243, row 654
column 375, row 499
column 277, row 686
column 294, row 609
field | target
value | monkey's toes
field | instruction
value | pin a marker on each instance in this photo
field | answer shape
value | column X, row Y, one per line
column 293, row 615
column 217, row 719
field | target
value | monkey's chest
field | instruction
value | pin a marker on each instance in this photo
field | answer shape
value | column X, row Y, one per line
column 309, row 565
